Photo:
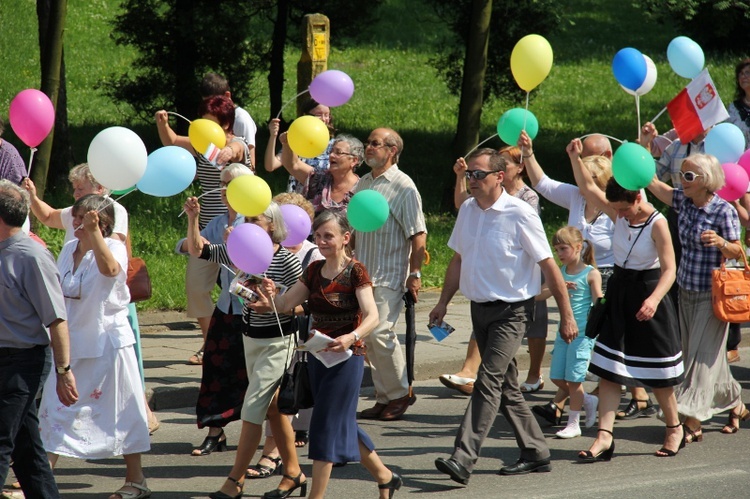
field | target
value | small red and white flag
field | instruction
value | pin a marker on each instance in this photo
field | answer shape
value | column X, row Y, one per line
column 696, row 108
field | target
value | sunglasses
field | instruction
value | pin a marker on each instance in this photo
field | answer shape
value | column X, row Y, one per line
column 478, row 174
column 689, row 176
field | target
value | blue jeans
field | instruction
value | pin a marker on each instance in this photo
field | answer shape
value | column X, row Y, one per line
column 22, row 374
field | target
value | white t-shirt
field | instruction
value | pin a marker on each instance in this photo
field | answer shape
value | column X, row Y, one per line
column 97, row 305
column 644, row 255
column 121, row 221
column 244, row 126
column 500, row 248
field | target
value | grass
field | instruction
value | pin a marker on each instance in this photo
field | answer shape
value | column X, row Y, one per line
column 395, row 87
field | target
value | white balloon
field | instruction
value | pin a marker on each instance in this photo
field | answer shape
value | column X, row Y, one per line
column 648, row 82
column 117, row 158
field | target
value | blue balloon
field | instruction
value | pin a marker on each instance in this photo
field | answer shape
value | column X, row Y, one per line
column 630, row 68
column 169, row 171
column 726, row 142
column 685, row 57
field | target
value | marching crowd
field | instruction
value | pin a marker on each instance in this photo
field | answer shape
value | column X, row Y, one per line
column 73, row 316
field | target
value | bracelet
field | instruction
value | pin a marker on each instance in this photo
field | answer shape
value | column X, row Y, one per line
column 723, row 245
column 528, row 156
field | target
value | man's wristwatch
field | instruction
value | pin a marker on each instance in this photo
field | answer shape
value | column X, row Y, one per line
column 62, row 370
column 416, row 274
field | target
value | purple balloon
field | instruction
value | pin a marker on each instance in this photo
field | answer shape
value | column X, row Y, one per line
column 332, row 88
column 250, row 248
column 297, row 224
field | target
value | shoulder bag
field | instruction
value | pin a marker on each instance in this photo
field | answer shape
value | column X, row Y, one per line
column 730, row 292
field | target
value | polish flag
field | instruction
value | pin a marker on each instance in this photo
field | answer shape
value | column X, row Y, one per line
column 696, row 108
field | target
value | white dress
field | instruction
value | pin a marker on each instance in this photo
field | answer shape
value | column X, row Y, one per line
column 109, row 418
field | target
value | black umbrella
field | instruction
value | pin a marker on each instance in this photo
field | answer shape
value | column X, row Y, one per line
column 411, row 338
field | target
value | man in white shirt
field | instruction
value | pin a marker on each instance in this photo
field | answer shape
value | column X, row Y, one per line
column 498, row 241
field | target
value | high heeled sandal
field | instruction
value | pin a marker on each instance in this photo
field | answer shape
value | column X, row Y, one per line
column 221, row 495
column 587, row 456
column 263, row 471
column 392, row 486
column 301, row 438
column 282, row 494
column 671, row 453
column 211, row 444
column 196, row 359
column 733, row 424
column 693, row 435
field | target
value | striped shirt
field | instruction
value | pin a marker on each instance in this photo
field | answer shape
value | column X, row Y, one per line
column 697, row 261
column 669, row 164
column 385, row 252
column 285, row 269
column 209, row 177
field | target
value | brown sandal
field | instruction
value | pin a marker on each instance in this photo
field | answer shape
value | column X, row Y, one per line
column 733, row 424
column 693, row 435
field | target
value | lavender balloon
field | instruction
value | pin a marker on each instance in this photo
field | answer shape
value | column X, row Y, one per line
column 297, row 224
column 332, row 88
column 250, row 248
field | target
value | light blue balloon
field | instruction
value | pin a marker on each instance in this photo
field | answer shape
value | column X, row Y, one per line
column 726, row 142
column 629, row 68
column 685, row 57
column 169, row 171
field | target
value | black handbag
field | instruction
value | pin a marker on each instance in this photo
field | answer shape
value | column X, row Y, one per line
column 295, row 392
column 597, row 317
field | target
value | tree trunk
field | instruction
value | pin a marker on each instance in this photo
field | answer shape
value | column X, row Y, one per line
column 51, row 15
column 472, row 89
column 186, row 95
column 276, row 71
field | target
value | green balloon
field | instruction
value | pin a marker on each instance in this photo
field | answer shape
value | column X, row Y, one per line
column 512, row 122
column 122, row 191
column 633, row 166
column 367, row 210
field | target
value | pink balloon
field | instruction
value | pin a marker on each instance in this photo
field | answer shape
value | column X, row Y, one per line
column 250, row 248
column 297, row 222
column 32, row 116
column 736, row 183
column 744, row 161
column 332, row 88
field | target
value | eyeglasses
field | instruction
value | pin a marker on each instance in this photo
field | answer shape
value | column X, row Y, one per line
column 375, row 144
column 68, row 285
column 689, row 176
column 478, row 174
column 745, row 73
column 341, row 153
column 322, row 116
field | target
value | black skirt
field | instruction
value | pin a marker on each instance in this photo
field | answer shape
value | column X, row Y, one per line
column 224, row 379
column 632, row 352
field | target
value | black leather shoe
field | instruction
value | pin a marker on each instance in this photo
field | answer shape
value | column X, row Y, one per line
column 549, row 413
column 454, row 469
column 523, row 466
column 634, row 411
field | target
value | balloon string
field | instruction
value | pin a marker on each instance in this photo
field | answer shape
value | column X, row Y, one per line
column 207, row 192
column 134, row 189
column 31, row 161
column 289, row 102
column 603, row 135
column 658, row 115
column 524, row 119
column 181, row 116
column 229, row 269
column 477, row 146
column 638, row 113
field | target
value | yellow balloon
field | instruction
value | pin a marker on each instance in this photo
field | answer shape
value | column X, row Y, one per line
column 203, row 132
column 308, row 136
column 249, row 195
column 531, row 61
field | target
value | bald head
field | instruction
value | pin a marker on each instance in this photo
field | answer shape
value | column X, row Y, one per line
column 596, row 145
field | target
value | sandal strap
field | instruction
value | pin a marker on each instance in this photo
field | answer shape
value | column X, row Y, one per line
column 606, row 431
column 235, row 481
column 124, row 494
column 675, row 426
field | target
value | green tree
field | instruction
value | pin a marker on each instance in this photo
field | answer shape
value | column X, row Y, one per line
column 511, row 20
column 714, row 24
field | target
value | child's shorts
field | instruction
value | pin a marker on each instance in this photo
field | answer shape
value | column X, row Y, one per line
column 570, row 361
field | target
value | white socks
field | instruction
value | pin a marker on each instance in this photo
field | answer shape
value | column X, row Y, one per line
column 590, row 403
column 573, row 428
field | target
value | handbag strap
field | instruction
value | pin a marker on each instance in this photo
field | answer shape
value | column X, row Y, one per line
column 648, row 221
column 744, row 259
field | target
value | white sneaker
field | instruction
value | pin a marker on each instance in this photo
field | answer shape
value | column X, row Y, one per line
column 569, row 432
column 590, row 403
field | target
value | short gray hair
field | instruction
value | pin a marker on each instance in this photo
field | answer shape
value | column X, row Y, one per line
column 236, row 170
column 355, row 146
column 710, row 168
column 273, row 215
column 82, row 172
column 14, row 204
